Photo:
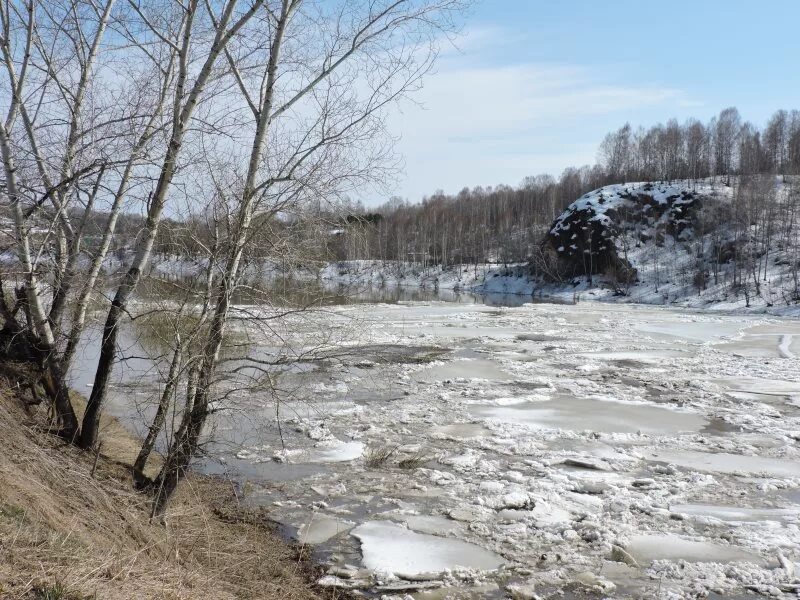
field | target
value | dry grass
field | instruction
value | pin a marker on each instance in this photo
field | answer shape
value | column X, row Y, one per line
column 65, row 535
column 414, row 460
column 377, row 456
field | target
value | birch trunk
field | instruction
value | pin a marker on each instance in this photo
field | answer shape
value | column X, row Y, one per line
column 182, row 118
column 186, row 442
column 65, row 415
column 160, row 417
column 67, row 274
column 78, row 321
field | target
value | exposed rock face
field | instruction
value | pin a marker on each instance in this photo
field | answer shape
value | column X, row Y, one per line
column 588, row 237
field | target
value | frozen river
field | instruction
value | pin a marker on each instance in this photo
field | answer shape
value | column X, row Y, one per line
column 465, row 450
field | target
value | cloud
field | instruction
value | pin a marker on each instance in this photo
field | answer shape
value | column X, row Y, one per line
column 495, row 100
column 480, row 120
column 477, row 39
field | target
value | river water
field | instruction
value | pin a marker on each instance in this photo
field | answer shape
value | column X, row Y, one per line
column 467, row 447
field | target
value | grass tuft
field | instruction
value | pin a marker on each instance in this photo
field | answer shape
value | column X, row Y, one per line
column 13, row 513
column 378, row 456
column 56, row 591
column 414, row 461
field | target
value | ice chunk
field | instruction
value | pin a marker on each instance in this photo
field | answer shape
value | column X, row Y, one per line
column 320, row 529
column 433, row 524
column 726, row 463
column 646, row 548
column 336, row 451
column 388, row 547
column 595, row 414
column 736, row 514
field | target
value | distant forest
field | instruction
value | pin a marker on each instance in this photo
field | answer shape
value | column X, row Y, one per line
column 504, row 223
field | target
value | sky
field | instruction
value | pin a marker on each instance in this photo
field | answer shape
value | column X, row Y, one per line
column 532, row 86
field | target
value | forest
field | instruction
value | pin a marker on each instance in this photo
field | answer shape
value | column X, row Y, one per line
column 504, row 223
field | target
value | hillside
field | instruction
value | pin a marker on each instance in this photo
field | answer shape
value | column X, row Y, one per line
column 73, row 530
column 702, row 244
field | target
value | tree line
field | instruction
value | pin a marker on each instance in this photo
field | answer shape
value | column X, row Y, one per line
column 504, row 224
column 725, row 146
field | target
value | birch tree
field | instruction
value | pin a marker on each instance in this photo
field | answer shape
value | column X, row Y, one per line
column 197, row 33
column 70, row 118
column 317, row 116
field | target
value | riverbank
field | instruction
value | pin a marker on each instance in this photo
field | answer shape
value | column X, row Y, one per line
column 671, row 282
column 672, row 287
column 71, row 526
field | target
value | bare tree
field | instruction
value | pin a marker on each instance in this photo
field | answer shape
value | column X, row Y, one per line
column 696, row 149
column 314, row 84
column 776, row 142
column 67, row 132
column 195, row 32
column 615, row 153
column 726, row 137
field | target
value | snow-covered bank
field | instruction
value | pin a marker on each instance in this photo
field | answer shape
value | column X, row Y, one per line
column 367, row 278
column 669, row 293
column 376, row 273
column 698, row 244
column 488, row 279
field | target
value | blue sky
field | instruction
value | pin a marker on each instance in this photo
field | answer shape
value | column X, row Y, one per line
column 533, row 85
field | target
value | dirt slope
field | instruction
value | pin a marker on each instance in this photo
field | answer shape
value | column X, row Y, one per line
column 65, row 534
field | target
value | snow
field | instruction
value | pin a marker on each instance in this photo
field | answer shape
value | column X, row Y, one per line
column 614, row 197
column 358, row 275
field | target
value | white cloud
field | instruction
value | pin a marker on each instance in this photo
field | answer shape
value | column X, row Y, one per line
column 475, row 123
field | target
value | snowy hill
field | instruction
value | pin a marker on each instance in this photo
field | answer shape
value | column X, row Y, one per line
column 702, row 244
column 588, row 237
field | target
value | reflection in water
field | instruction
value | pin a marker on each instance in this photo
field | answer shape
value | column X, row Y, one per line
column 289, row 291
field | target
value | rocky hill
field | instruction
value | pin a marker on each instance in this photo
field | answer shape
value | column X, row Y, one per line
column 590, row 237
column 708, row 243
